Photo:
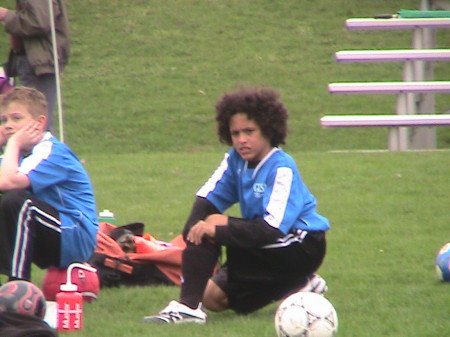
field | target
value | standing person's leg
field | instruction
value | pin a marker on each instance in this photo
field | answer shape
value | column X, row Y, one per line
column 25, row 72
column 45, row 83
column 30, row 231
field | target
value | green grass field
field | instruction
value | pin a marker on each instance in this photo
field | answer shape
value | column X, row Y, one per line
column 389, row 214
column 139, row 97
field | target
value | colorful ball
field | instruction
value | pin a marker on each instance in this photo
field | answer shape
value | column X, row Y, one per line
column 443, row 263
column 87, row 282
column 23, row 297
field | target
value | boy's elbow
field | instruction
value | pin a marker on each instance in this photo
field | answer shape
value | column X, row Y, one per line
column 16, row 182
column 5, row 186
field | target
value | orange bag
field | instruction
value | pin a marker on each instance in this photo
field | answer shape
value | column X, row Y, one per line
column 153, row 263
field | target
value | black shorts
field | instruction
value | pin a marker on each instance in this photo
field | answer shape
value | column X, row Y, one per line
column 254, row 278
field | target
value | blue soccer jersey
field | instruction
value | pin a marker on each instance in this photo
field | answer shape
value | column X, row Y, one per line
column 273, row 190
column 58, row 178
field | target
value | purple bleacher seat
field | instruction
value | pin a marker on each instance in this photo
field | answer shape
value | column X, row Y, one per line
column 384, row 120
column 373, row 24
column 393, row 55
column 389, row 87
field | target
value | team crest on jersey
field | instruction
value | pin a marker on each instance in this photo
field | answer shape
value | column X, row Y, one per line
column 258, row 190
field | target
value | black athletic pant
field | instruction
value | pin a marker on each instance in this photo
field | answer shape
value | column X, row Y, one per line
column 198, row 261
column 253, row 278
column 30, row 232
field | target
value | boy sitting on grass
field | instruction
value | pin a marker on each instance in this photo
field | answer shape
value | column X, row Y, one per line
column 47, row 207
column 276, row 246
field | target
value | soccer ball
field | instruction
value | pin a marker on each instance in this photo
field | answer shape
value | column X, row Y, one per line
column 306, row 314
column 87, row 281
column 443, row 263
column 22, row 297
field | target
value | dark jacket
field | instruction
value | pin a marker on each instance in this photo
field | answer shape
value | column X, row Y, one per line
column 15, row 324
column 31, row 23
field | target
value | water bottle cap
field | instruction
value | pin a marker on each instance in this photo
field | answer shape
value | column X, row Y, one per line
column 106, row 214
column 68, row 287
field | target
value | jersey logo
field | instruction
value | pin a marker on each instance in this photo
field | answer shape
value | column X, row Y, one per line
column 258, row 190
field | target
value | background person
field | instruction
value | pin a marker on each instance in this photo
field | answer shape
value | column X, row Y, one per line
column 31, row 58
column 47, row 207
column 277, row 245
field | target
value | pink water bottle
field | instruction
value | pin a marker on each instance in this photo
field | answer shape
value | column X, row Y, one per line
column 69, row 303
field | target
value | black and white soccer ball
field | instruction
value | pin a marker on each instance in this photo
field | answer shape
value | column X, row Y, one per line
column 306, row 314
column 23, row 297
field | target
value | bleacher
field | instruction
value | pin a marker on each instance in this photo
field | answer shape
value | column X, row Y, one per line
column 413, row 126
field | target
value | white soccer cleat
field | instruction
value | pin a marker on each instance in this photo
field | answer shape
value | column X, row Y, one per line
column 316, row 284
column 177, row 312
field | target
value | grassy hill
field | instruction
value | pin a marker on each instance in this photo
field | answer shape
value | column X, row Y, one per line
column 144, row 76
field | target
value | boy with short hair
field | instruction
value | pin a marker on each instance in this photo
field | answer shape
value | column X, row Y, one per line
column 47, row 207
column 276, row 246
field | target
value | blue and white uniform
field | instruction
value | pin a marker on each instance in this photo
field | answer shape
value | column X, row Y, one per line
column 58, row 179
column 277, row 243
column 274, row 191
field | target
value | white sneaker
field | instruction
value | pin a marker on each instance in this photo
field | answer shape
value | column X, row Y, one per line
column 177, row 312
column 316, row 284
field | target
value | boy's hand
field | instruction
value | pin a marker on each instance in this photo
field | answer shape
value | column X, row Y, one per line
column 27, row 137
column 206, row 228
column 3, row 12
column 3, row 139
column 200, row 230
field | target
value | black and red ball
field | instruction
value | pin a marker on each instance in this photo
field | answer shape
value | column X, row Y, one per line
column 87, row 282
column 23, row 297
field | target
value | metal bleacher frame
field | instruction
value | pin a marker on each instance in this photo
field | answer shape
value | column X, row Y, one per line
column 415, row 93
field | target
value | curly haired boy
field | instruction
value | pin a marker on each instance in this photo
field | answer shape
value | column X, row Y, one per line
column 276, row 246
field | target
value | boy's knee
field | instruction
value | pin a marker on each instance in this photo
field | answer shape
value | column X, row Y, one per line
column 214, row 298
column 13, row 198
column 206, row 247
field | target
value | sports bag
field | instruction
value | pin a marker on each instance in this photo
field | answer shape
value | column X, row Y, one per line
column 153, row 263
